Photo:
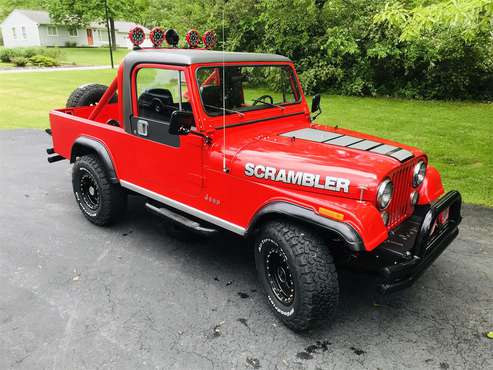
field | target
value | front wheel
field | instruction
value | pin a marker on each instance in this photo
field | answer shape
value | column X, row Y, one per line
column 100, row 201
column 297, row 273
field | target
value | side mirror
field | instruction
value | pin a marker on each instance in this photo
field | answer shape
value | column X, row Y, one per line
column 315, row 103
column 180, row 122
column 316, row 106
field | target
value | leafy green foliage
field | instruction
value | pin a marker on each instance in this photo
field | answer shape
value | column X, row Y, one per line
column 19, row 61
column 411, row 48
column 78, row 13
column 6, row 6
column 8, row 54
column 43, row 61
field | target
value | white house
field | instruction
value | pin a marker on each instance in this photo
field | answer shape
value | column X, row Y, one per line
column 34, row 28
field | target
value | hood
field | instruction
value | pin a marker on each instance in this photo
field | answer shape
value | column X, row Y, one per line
column 323, row 160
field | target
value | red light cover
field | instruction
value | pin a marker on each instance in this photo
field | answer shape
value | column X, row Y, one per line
column 209, row 39
column 136, row 36
column 193, row 38
column 157, row 36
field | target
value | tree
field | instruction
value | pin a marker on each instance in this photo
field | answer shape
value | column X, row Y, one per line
column 79, row 13
column 6, row 6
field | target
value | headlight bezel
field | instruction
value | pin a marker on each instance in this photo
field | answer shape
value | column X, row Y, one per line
column 418, row 176
column 381, row 191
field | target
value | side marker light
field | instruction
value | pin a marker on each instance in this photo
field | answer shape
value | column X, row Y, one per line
column 331, row 214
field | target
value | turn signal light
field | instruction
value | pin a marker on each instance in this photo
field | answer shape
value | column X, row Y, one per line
column 331, row 214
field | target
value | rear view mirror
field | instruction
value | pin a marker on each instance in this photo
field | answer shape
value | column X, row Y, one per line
column 316, row 106
column 315, row 103
column 180, row 122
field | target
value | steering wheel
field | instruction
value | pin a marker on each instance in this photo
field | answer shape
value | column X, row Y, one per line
column 262, row 98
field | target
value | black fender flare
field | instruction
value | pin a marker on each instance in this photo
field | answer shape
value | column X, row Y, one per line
column 293, row 211
column 84, row 145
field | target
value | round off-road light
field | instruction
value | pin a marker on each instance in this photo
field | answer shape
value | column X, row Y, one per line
column 136, row 36
column 385, row 218
column 209, row 39
column 157, row 36
column 193, row 38
column 384, row 194
column 414, row 198
column 172, row 37
column 419, row 173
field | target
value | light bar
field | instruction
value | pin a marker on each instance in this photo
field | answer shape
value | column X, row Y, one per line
column 157, row 36
column 209, row 39
column 172, row 37
column 136, row 36
column 192, row 38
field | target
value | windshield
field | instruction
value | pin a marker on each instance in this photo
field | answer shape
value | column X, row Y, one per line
column 246, row 88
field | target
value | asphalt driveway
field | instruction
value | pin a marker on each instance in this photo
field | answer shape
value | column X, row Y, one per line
column 139, row 295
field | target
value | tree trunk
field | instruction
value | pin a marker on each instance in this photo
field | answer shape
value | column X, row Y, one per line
column 113, row 33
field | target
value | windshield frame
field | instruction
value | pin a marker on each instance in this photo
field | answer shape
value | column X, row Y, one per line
column 263, row 112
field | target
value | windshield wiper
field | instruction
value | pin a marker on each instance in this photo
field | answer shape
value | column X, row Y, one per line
column 225, row 110
column 269, row 104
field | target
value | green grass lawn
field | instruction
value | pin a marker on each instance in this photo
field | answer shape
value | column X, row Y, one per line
column 91, row 56
column 458, row 137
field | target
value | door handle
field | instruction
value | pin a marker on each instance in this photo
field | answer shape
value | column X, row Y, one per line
column 142, row 127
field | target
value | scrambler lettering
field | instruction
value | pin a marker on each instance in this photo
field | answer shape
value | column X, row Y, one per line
column 297, row 177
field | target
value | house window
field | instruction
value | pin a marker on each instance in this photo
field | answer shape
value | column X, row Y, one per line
column 24, row 33
column 73, row 32
column 14, row 33
column 52, row 31
column 102, row 35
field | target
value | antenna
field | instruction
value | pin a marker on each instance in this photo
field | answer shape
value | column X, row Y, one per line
column 225, row 167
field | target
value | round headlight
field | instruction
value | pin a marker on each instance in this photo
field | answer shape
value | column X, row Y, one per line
column 419, row 173
column 384, row 193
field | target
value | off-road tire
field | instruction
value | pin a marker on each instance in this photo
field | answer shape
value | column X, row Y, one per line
column 314, row 276
column 88, row 94
column 106, row 201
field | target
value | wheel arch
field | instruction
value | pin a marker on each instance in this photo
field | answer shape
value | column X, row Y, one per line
column 286, row 210
column 85, row 145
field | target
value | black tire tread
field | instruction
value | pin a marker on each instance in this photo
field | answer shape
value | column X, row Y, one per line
column 316, row 271
column 86, row 95
column 114, row 199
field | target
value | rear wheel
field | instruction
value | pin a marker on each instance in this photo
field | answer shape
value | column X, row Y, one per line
column 100, row 201
column 89, row 94
column 297, row 273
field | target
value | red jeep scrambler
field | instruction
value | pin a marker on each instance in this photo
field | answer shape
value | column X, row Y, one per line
column 220, row 141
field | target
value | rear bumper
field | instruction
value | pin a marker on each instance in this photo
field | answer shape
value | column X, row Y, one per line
column 415, row 244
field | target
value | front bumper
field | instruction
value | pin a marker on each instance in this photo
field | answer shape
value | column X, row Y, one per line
column 415, row 244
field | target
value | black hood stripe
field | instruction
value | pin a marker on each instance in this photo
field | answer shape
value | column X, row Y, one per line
column 332, row 138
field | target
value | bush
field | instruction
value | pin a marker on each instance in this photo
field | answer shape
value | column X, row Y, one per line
column 43, row 61
column 29, row 51
column 8, row 54
column 54, row 53
column 70, row 44
column 20, row 61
